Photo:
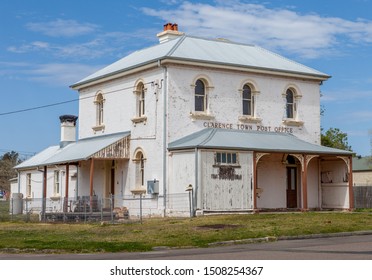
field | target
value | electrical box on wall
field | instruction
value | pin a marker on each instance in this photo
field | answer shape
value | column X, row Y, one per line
column 153, row 187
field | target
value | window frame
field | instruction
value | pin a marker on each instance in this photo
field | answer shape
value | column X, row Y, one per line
column 57, row 183
column 290, row 104
column 291, row 97
column 140, row 92
column 226, row 158
column 249, row 100
column 28, row 185
column 202, row 95
column 99, row 101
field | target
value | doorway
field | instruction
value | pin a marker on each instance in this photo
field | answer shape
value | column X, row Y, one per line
column 291, row 187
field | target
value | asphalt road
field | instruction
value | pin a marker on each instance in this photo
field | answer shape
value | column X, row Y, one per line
column 353, row 247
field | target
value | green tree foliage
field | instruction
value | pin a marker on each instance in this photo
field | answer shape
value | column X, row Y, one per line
column 7, row 162
column 335, row 138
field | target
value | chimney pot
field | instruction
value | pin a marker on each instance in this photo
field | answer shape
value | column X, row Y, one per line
column 170, row 32
column 68, row 129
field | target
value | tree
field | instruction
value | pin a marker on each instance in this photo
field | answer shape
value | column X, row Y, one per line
column 7, row 162
column 335, row 138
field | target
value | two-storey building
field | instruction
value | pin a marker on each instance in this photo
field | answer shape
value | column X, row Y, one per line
column 235, row 125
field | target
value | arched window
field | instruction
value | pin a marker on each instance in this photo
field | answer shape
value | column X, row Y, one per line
column 139, row 159
column 99, row 109
column 140, row 100
column 290, row 104
column 247, row 99
column 200, row 96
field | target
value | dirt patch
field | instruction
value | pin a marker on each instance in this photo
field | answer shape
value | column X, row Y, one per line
column 217, row 226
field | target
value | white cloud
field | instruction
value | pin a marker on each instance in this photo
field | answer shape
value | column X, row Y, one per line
column 52, row 74
column 308, row 35
column 59, row 74
column 62, row 28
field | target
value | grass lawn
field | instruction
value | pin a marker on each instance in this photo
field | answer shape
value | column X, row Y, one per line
column 173, row 232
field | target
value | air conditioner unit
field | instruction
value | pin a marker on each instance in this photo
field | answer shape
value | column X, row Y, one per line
column 153, row 187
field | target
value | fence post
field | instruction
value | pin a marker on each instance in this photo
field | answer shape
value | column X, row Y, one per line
column 141, row 208
column 102, row 201
column 27, row 213
column 112, row 208
column 11, row 207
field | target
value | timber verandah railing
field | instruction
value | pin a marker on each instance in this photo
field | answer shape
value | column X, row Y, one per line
column 92, row 209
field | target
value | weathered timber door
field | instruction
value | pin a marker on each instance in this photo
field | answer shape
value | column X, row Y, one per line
column 291, row 187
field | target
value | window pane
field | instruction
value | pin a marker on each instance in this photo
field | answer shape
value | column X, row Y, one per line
column 228, row 158
column 247, row 92
column 247, row 107
column 223, row 160
column 289, row 96
column 218, row 158
column 199, row 103
column 290, row 111
column 199, row 88
column 234, row 158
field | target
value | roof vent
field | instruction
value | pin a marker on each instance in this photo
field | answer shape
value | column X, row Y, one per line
column 169, row 32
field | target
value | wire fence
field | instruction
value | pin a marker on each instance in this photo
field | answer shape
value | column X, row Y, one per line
column 93, row 209
column 127, row 209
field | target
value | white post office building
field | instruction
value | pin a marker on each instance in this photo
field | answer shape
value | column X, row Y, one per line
column 234, row 125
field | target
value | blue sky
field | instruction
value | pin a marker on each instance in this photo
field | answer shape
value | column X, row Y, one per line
column 46, row 45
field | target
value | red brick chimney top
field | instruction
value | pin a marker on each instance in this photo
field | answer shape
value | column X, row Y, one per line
column 171, row 26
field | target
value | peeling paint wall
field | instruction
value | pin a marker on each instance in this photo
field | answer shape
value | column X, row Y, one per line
column 226, row 187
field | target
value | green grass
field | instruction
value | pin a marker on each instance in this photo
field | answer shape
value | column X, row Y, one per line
column 173, row 232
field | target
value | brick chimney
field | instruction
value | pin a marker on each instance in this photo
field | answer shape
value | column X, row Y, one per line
column 68, row 129
column 169, row 32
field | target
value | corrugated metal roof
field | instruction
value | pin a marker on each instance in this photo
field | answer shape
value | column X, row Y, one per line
column 362, row 163
column 222, row 52
column 80, row 150
column 212, row 138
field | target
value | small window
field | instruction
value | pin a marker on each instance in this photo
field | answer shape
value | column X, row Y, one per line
column 226, row 158
column 141, row 100
column 57, row 189
column 28, row 185
column 247, row 101
column 140, row 169
column 291, row 105
column 200, row 96
column 99, row 109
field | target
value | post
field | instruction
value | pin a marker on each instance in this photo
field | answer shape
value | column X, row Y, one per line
column 141, row 208
column 91, row 182
column 254, row 195
column 304, row 185
column 351, row 189
column 43, row 208
column 189, row 189
column 65, row 202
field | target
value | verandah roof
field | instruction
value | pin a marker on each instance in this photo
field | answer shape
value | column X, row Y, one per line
column 106, row 146
column 213, row 138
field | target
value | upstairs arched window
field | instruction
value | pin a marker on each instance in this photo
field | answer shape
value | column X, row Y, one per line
column 140, row 100
column 99, row 100
column 200, row 96
column 247, row 100
column 290, row 104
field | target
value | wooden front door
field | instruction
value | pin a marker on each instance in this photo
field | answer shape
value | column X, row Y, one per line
column 291, row 187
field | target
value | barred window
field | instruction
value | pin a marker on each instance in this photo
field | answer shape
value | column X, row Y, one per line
column 226, row 158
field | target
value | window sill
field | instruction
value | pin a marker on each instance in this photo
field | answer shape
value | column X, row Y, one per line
column 249, row 119
column 138, row 191
column 292, row 122
column 55, row 198
column 139, row 119
column 201, row 116
column 99, row 127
